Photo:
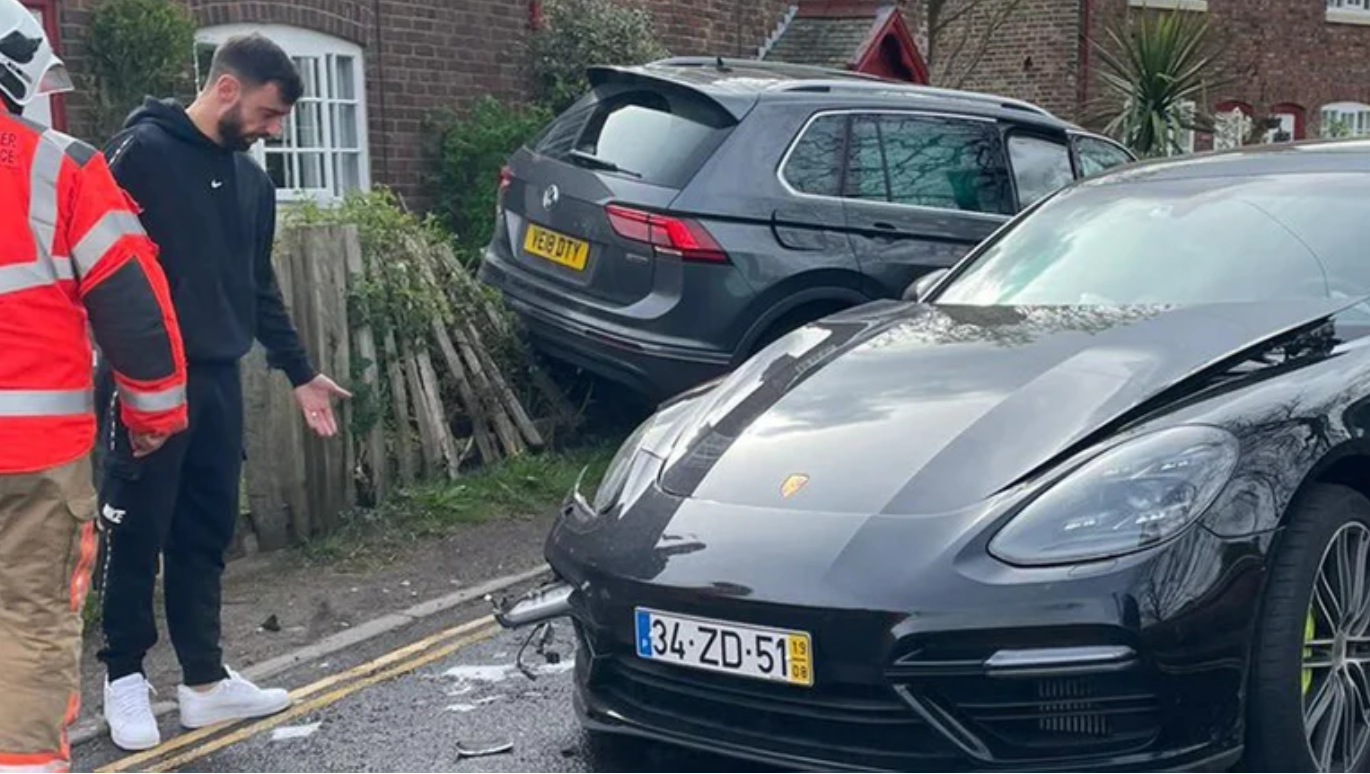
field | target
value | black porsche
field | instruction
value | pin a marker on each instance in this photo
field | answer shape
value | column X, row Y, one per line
column 1098, row 498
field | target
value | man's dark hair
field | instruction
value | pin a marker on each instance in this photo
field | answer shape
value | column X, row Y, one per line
column 256, row 61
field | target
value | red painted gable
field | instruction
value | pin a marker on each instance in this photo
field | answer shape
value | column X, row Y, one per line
column 891, row 52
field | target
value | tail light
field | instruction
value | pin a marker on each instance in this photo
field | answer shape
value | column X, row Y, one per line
column 506, row 178
column 674, row 236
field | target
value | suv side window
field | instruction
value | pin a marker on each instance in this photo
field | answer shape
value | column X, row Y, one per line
column 1040, row 166
column 928, row 161
column 1098, row 155
column 815, row 164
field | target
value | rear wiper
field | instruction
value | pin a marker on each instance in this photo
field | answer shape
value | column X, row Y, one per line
column 595, row 162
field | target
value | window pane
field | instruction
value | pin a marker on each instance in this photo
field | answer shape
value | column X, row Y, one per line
column 661, row 137
column 204, row 55
column 345, row 78
column 275, row 167
column 308, row 67
column 1040, row 167
column 311, row 170
column 347, row 172
column 345, row 126
column 309, row 125
column 1097, row 156
column 865, row 162
column 815, row 166
column 945, row 163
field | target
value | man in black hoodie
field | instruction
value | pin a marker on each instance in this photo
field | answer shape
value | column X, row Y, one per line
column 211, row 210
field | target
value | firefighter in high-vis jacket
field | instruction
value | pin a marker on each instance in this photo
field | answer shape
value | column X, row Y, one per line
column 74, row 259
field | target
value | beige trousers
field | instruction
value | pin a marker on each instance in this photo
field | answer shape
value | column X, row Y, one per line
column 47, row 550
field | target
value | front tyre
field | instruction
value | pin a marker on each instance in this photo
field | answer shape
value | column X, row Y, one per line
column 1310, row 680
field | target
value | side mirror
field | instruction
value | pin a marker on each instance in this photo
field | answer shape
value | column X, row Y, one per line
column 919, row 290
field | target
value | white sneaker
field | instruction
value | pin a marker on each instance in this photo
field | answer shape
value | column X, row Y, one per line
column 233, row 699
column 128, row 710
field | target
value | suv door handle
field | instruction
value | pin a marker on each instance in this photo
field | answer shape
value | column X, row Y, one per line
column 887, row 230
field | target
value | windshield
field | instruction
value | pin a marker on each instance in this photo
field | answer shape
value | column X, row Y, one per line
column 1207, row 240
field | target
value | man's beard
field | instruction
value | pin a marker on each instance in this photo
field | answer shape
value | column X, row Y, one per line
column 231, row 131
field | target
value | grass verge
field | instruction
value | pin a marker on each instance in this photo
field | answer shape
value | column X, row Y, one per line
column 527, row 486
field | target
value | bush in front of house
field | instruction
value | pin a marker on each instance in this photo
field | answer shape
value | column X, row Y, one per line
column 1157, row 67
column 470, row 151
column 577, row 34
column 135, row 48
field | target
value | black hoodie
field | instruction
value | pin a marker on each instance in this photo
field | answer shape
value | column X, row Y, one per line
column 212, row 213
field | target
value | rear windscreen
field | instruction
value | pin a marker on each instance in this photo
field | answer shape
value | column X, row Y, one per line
column 654, row 135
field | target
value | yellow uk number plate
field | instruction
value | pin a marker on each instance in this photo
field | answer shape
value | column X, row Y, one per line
column 557, row 248
column 778, row 655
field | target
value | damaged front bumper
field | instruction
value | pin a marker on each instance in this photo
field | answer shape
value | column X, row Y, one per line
column 545, row 603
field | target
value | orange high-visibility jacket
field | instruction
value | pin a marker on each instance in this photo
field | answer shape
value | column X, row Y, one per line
column 74, row 258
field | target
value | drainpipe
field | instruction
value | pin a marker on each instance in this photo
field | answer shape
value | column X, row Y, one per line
column 380, row 75
column 1082, row 72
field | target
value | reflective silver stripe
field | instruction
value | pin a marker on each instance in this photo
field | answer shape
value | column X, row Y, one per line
column 164, row 400
column 40, row 273
column 110, row 228
column 45, row 403
column 47, row 167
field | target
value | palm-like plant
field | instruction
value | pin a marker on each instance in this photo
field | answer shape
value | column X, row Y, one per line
column 1156, row 71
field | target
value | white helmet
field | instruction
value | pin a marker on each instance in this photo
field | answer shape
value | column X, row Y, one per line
column 28, row 66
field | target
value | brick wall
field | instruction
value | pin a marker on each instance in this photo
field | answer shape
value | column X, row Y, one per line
column 434, row 54
column 428, row 54
column 716, row 27
column 1277, row 52
column 1286, row 51
column 1031, row 55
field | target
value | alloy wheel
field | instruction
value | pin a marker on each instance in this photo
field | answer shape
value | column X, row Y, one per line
column 1336, row 655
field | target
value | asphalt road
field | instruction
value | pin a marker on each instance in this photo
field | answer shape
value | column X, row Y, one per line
column 422, row 720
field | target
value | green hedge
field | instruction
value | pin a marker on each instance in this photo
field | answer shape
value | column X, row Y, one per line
column 470, row 152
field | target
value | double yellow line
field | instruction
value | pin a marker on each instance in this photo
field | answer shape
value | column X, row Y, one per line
column 325, row 692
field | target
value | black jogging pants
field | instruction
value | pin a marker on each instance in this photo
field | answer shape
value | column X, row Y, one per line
column 179, row 503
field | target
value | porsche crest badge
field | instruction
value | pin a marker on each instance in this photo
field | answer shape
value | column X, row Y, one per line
column 793, row 484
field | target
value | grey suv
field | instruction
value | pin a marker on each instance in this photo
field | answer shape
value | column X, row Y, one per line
column 685, row 213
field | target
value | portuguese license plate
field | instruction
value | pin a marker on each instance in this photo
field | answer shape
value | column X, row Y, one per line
column 557, row 248
column 778, row 655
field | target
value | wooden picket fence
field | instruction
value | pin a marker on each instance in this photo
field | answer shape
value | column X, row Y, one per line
column 297, row 485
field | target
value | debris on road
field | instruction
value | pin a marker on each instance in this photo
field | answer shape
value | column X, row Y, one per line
column 472, row 707
column 479, row 674
column 483, row 750
column 271, row 624
column 294, row 732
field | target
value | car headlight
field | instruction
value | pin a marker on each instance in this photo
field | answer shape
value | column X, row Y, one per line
column 625, row 467
column 1125, row 500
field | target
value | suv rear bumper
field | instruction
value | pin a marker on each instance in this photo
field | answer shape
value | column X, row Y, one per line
column 658, row 369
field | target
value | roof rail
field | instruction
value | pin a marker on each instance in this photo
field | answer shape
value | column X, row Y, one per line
column 816, row 78
column 902, row 89
column 722, row 62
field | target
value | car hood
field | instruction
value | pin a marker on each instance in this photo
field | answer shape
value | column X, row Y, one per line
column 902, row 408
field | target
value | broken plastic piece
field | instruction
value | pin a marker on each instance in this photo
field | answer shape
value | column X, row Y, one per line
column 482, row 751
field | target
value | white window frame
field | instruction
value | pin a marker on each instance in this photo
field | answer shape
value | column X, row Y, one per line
column 1348, row 11
column 1171, row 5
column 1187, row 136
column 1243, row 123
column 1356, row 114
column 324, row 49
